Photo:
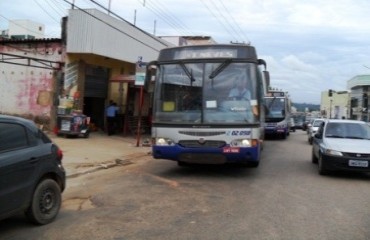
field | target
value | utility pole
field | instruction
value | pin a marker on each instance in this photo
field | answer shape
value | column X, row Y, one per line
column 135, row 18
column 155, row 26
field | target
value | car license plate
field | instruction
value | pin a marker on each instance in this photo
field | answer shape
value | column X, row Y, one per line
column 66, row 126
column 358, row 163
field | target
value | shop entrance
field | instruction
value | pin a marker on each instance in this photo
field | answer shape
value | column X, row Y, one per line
column 94, row 108
column 95, row 94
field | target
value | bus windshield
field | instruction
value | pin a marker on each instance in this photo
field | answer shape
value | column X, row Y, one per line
column 276, row 108
column 222, row 92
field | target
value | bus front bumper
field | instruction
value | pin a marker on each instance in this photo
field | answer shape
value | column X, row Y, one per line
column 223, row 155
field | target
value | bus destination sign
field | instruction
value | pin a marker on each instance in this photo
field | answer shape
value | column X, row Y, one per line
column 205, row 53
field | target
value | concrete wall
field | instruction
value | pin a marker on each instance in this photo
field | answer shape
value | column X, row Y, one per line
column 25, row 90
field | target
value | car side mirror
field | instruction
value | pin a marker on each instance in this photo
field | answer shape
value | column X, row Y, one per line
column 318, row 135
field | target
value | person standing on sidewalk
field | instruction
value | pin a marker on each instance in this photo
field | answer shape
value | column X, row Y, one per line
column 111, row 112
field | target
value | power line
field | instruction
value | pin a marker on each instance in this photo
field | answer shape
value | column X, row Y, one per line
column 171, row 21
column 236, row 24
column 215, row 16
column 46, row 11
column 226, row 19
column 61, row 13
column 173, row 18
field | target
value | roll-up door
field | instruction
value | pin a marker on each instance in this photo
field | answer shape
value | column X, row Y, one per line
column 96, row 82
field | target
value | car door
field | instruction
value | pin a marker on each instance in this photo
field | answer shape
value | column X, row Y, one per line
column 19, row 156
column 318, row 141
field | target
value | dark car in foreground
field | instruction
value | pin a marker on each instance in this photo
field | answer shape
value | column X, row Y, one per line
column 342, row 145
column 32, row 177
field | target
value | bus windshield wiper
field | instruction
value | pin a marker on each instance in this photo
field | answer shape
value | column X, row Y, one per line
column 220, row 68
column 188, row 73
column 272, row 102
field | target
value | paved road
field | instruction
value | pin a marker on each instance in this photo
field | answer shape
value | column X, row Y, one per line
column 284, row 198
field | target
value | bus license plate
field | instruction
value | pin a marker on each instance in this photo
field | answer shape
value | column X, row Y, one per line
column 358, row 163
column 231, row 150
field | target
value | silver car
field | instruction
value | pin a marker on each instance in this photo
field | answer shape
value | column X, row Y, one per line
column 312, row 129
column 342, row 145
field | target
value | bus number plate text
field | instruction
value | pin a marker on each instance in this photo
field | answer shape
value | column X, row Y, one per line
column 231, row 150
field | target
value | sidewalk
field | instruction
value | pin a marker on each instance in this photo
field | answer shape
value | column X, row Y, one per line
column 99, row 151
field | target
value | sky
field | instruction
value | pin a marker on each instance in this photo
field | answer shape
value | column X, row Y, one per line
column 309, row 46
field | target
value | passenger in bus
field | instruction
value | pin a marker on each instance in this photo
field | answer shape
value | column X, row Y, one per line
column 239, row 91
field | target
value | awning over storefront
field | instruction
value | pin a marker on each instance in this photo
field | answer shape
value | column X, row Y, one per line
column 123, row 78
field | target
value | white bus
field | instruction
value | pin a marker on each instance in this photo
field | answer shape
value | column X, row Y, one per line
column 208, row 104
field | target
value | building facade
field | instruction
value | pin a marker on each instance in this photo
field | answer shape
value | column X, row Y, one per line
column 359, row 103
column 334, row 105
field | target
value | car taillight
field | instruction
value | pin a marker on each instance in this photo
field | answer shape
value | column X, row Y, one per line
column 60, row 154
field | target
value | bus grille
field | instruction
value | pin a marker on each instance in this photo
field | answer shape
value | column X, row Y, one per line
column 202, row 134
column 197, row 144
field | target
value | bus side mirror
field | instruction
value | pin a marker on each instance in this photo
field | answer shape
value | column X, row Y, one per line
column 151, row 70
column 266, row 76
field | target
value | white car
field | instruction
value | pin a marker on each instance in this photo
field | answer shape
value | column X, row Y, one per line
column 313, row 128
column 342, row 145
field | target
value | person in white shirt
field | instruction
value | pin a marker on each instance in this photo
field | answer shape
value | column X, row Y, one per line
column 111, row 113
column 239, row 92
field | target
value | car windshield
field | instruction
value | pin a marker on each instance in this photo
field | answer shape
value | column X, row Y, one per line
column 347, row 130
column 317, row 123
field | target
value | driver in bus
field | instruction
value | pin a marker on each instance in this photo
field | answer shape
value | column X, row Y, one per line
column 239, row 92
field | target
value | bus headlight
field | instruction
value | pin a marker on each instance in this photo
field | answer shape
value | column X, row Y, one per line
column 164, row 142
column 244, row 143
column 241, row 143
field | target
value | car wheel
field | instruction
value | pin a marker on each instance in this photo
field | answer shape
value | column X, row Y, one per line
column 182, row 164
column 46, row 202
column 87, row 133
column 313, row 157
column 321, row 167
